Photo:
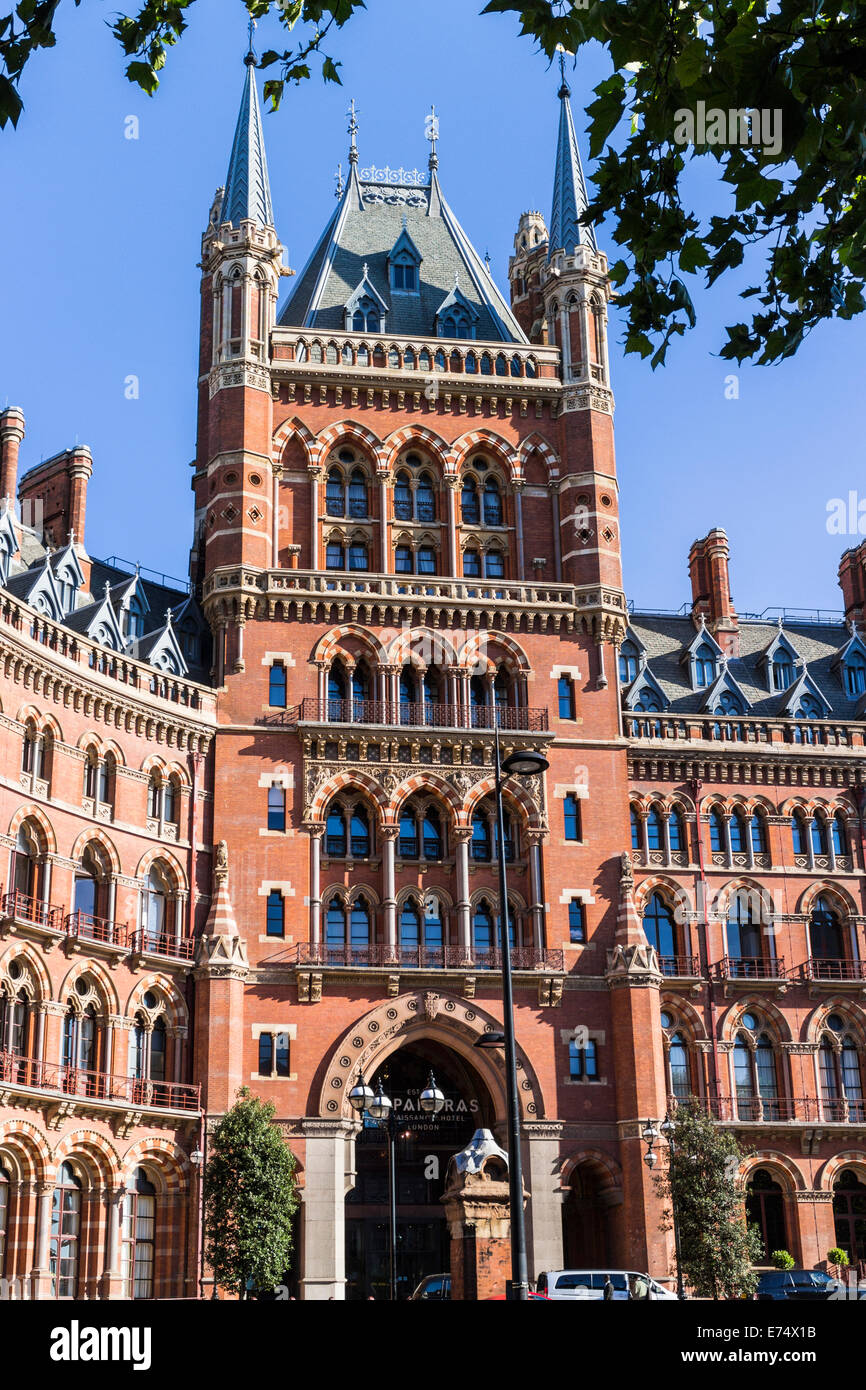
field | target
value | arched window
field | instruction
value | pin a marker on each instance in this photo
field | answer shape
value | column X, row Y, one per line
column 636, row 841
column 169, row 801
column 678, row 1068
column 849, row 1214
column 16, row 1022
column 335, row 927
column 728, row 703
column 358, row 506
column 157, row 897
column 827, row 941
column 410, row 928
column 403, row 497
column 408, row 845
column 743, row 931
column 818, row 834
column 482, row 932
column 765, row 1209
column 676, row 831
column 628, row 662
column 705, row 665
column 24, row 863
column 758, row 833
column 660, row 928
column 63, row 1250
column 648, row 701
column 717, row 832
column 855, row 675
column 492, row 503
column 359, row 926
column 335, row 831
column 798, row 833
column 482, row 845
column 738, row 834
column 470, row 507
column 840, row 834
column 655, row 829
column 471, row 564
column 783, row 670
column 432, row 835
column 154, row 795
column 138, row 1237
column 360, row 833
column 335, row 493
column 336, row 691
column 425, row 499
column 360, row 690
column 4, row 1216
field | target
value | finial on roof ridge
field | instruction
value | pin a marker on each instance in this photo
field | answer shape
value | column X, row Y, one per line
column 338, row 177
column 564, row 89
column 353, row 132
column 250, row 58
column 431, row 133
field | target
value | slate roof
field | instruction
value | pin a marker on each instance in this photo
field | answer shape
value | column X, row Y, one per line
column 667, row 638
column 247, row 191
column 569, row 187
column 364, row 228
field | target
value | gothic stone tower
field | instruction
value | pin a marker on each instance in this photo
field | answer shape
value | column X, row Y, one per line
column 407, row 528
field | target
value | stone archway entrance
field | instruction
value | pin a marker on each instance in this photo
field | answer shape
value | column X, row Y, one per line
column 590, row 1211
column 423, row 1150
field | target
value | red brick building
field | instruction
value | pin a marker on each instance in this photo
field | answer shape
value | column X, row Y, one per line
column 250, row 824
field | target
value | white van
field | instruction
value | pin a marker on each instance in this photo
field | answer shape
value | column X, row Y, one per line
column 588, row 1284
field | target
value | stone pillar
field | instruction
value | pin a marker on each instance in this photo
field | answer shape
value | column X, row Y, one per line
column 113, row 1280
column 40, row 1278
column 316, row 832
column 389, row 835
column 385, row 566
column 452, row 484
column 275, row 515
column 316, row 474
column 541, row 1158
column 324, row 1213
column 518, row 484
column 557, row 535
column 476, row 1201
column 462, row 835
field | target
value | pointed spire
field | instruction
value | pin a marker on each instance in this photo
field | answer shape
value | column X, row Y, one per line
column 569, row 189
column 248, row 192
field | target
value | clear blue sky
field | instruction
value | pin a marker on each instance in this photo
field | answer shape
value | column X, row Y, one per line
column 100, row 237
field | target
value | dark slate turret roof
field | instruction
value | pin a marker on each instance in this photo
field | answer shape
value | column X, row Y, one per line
column 365, row 227
column 665, row 640
column 247, row 191
column 569, row 188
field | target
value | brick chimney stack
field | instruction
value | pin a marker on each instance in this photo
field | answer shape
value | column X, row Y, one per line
column 852, row 578
column 711, row 589
column 11, row 435
column 53, row 495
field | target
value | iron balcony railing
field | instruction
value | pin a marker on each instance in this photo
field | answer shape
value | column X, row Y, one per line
column 97, row 1085
column 22, row 907
column 778, row 1109
column 90, row 928
column 752, row 968
column 418, row 715
column 684, row 967
column 146, row 942
column 817, row 968
column 380, row 955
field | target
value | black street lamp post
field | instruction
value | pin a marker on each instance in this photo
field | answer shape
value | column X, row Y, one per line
column 650, row 1134
column 525, row 763
column 380, row 1108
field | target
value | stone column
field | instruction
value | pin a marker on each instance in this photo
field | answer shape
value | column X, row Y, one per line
column 113, row 1279
column 324, row 1212
column 316, row 474
column 40, row 1279
column 275, row 517
column 462, row 836
column 315, row 831
column 389, row 835
column 541, row 1156
column 452, row 484
column 518, row 484
column 385, row 566
column 536, row 907
column 557, row 537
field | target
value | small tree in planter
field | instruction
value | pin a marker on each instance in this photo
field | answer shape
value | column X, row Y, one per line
column 250, row 1198
column 838, row 1260
column 782, row 1259
column 717, row 1248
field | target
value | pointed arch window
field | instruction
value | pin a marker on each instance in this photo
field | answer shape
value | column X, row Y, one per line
column 628, row 662
column 818, row 835
column 783, row 670
column 335, row 832
column 717, row 832
column 678, row 1068
column 798, row 833
column 138, row 1237
column 655, row 829
column 432, row 835
column 855, row 675
column 758, row 833
column 470, row 505
column 359, row 833
column 335, row 926
column 738, row 833
column 482, row 845
column 336, row 691
column 335, row 493
column 358, row 504
column 636, row 841
column 765, row 1208
column 705, row 665
column 359, row 926
column 744, row 929
column 826, row 937
column 425, row 499
column 840, row 834
column 64, row 1240
column 403, row 497
column 492, row 503
column 482, row 931
column 660, row 928
column 676, row 831
column 410, row 927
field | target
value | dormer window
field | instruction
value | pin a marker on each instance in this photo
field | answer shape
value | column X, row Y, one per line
column 855, row 674
column 783, row 670
column 404, row 275
column 365, row 309
column 454, row 325
column 365, row 318
column 628, row 662
column 705, row 665
column 135, row 618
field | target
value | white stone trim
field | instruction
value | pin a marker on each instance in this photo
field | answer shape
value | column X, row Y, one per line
column 572, row 671
column 259, row 1028
column 283, row 887
column 569, row 894
column 562, row 789
column 270, row 658
column 284, row 779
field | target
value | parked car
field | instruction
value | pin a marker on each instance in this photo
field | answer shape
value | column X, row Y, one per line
column 432, row 1286
column 795, row 1285
column 588, row 1284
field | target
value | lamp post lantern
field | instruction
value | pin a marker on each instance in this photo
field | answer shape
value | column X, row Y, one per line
column 380, row 1108
column 667, row 1131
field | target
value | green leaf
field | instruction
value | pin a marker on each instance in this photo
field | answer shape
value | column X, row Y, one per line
column 693, row 255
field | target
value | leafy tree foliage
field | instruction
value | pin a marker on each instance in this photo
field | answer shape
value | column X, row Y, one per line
column 250, row 1198
column 717, row 1248
column 792, row 208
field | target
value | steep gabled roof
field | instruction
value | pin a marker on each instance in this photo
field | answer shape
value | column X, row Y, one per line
column 364, row 229
column 98, row 621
